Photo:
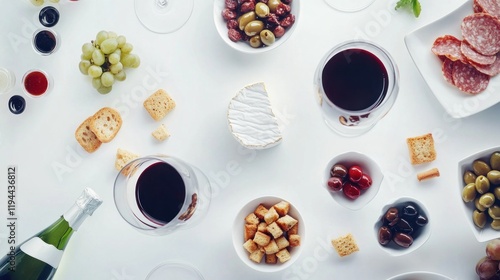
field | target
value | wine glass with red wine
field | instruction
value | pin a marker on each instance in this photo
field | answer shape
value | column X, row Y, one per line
column 163, row 16
column 160, row 194
column 349, row 5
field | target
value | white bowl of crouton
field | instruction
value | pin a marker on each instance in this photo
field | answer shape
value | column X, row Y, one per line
column 268, row 233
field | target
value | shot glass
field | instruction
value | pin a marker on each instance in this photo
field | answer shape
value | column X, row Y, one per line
column 7, row 80
column 45, row 41
column 357, row 83
column 158, row 195
column 36, row 83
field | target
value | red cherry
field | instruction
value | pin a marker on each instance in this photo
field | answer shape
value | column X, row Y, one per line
column 365, row 182
column 335, row 183
column 355, row 173
column 351, row 191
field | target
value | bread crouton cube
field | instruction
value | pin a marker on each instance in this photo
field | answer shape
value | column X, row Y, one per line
column 257, row 255
column 282, row 242
column 271, row 259
column 161, row 133
column 260, row 211
column 250, row 231
column 261, row 238
column 282, row 208
column 252, row 219
column 294, row 240
column 159, row 104
column 271, row 248
column 283, row 255
column 274, row 230
column 262, row 227
column 294, row 229
column 286, row 222
column 421, row 148
column 271, row 215
column 250, row 246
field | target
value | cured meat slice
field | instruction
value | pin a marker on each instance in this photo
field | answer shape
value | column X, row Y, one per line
column 447, row 68
column 474, row 57
column 490, row 70
column 491, row 7
column 482, row 32
column 468, row 79
column 448, row 46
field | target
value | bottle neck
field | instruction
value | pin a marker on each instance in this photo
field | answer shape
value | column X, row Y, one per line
column 59, row 233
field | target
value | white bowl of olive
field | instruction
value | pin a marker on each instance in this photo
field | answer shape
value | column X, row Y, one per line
column 255, row 26
column 479, row 189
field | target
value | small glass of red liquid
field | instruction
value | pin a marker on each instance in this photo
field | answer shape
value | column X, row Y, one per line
column 45, row 41
column 36, row 83
column 158, row 195
column 356, row 83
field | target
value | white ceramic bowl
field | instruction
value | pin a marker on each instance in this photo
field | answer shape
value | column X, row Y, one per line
column 238, row 230
column 487, row 233
column 420, row 275
column 243, row 46
column 424, row 234
column 369, row 167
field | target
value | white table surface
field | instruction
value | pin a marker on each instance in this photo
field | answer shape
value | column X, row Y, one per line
column 202, row 74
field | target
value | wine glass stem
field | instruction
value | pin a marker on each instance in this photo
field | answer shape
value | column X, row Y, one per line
column 162, row 3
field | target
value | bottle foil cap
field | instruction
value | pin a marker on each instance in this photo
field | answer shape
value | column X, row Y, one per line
column 89, row 201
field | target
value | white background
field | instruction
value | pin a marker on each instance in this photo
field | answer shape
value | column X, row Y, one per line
column 202, row 74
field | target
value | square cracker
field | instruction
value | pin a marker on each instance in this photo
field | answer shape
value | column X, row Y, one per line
column 421, row 148
column 345, row 245
column 159, row 104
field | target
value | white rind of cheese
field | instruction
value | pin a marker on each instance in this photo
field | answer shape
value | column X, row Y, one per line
column 251, row 118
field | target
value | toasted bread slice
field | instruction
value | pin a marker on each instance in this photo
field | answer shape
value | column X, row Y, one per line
column 86, row 138
column 159, row 104
column 105, row 124
column 421, row 148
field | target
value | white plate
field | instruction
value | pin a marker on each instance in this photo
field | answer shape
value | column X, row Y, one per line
column 487, row 233
column 419, row 43
column 419, row 275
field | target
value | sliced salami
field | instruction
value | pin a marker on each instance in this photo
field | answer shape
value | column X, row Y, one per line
column 447, row 68
column 491, row 7
column 490, row 70
column 448, row 46
column 482, row 32
column 474, row 57
column 468, row 79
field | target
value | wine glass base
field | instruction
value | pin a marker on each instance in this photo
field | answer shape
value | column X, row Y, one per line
column 166, row 18
column 349, row 6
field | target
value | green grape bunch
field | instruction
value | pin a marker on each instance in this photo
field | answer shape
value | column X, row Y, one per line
column 105, row 59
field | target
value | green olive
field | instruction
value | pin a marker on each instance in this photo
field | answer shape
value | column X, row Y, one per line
column 469, row 192
column 480, row 167
column 273, row 4
column 267, row 37
column 494, row 212
column 495, row 161
column 254, row 27
column 479, row 218
column 494, row 177
column 495, row 224
column 479, row 206
column 262, row 10
column 482, row 184
column 469, row 177
column 244, row 19
column 487, row 200
column 255, row 41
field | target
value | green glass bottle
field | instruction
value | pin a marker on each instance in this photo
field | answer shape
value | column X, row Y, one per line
column 38, row 257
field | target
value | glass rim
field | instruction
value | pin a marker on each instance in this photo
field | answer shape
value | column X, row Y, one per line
column 381, row 54
column 196, row 272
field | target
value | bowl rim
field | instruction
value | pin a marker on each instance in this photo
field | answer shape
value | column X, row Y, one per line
column 368, row 164
column 424, row 235
column 487, row 233
column 237, row 232
column 220, row 26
